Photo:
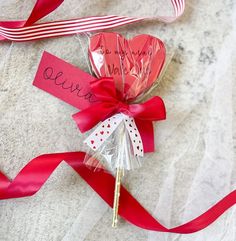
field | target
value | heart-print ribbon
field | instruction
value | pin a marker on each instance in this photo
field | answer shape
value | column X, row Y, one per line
column 126, row 69
column 107, row 128
column 109, row 103
column 27, row 30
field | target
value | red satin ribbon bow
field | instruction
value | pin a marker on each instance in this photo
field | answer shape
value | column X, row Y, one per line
column 110, row 103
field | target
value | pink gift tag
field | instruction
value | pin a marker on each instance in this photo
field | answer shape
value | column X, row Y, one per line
column 134, row 64
column 64, row 81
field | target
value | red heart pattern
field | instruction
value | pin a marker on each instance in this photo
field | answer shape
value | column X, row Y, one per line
column 101, row 134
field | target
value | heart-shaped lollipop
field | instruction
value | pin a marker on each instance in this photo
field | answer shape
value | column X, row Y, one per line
column 134, row 64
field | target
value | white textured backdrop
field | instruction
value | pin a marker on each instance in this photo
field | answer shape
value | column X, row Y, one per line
column 194, row 165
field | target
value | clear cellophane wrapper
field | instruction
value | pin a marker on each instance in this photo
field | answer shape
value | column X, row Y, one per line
column 136, row 79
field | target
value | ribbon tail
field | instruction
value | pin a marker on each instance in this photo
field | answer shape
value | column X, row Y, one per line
column 151, row 110
column 41, row 9
column 10, row 24
column 4, row 181
column 32, row 177
column 147, row 134
column 134, row 135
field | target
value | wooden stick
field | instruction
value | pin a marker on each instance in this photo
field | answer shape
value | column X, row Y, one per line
column 119, row 174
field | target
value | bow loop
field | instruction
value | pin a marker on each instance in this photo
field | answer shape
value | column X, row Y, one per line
column 110, row 103
column 104, row 89
column 151, row 110
column 122, row 107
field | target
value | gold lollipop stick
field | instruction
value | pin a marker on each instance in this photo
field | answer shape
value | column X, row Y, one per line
column 119, row 174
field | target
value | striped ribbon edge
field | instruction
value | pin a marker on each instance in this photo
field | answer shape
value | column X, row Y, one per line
column 82, row 25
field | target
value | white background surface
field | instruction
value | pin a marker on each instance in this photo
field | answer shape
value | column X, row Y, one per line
column 194, row 163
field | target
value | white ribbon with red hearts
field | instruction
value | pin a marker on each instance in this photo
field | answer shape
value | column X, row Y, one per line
column 108, row 126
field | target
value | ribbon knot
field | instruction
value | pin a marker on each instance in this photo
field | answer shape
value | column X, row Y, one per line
column 111, row 104
column 123, row 107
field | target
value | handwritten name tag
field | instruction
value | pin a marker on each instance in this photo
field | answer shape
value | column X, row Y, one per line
column 65, row 81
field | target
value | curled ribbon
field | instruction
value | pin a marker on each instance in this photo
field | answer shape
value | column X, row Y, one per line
column 27, row 30
column 110, row 103
column 32, row 177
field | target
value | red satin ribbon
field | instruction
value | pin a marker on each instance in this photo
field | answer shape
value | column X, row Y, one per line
column 40, row 10
column 110, row 102
column 31, row 178
column 27, row 30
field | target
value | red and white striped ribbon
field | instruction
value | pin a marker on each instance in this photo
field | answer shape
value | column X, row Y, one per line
column 81, row 25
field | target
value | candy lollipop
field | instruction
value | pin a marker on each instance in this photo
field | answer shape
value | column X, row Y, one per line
column 125, row 69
